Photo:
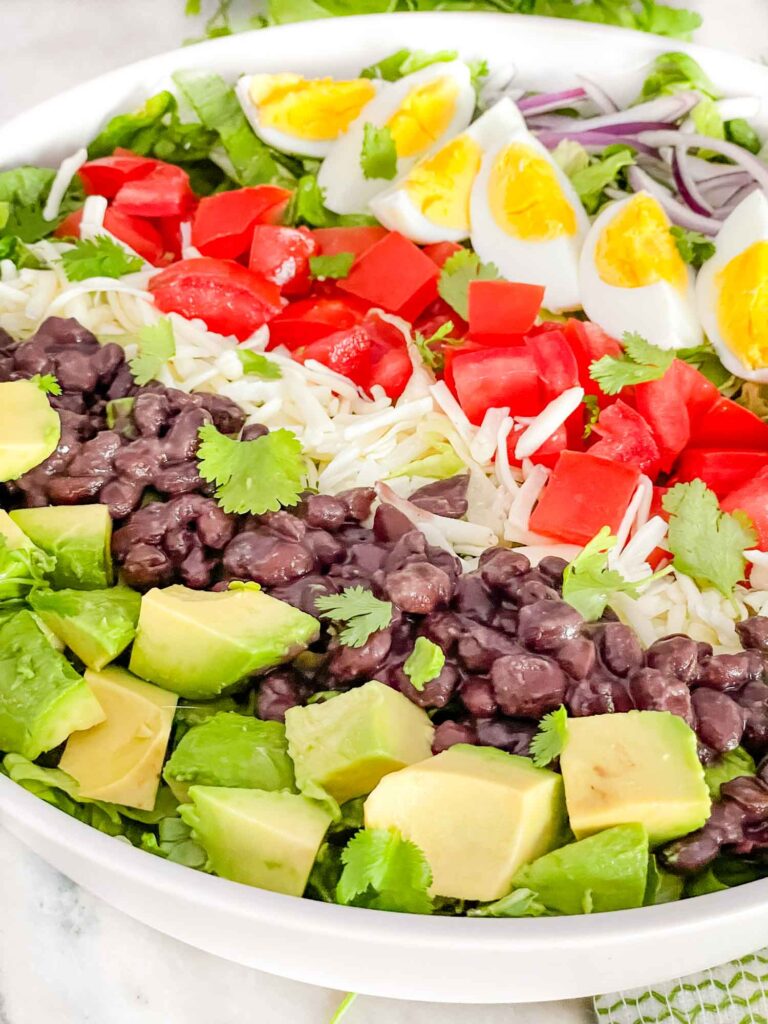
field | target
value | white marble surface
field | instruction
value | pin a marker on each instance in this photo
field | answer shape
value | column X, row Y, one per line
column 66, row 957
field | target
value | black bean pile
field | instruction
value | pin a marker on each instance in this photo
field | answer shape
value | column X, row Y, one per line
column 514, row 649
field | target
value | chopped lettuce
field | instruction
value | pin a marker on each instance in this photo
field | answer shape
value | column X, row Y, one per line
column 405, row 62
column 732, row 765
column 518, row 903
column 603, row 171
column 23, row 192
column 673, row 72
column 307, row 206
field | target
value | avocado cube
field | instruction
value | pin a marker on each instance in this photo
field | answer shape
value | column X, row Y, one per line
column 198, row 643
column 606, row 871
column 478, row 814
column 269, row 840
column 29, row 428
column 635, row 766
column 119, row 760
column 344, row 746
column 231, row 750
column 12, row 534
column 78, row 537
column 96, row 624
column 42, row 698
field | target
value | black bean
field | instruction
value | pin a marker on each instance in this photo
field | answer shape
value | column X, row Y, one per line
column 652, row 690
column 533, row 591
column 358, row 502
column 277, row 693
column 598, row 695
column 444, row 497
column 719, row 720
column 754, row 699
column 577, row 657
column 472, row 598
column 552, row 568
column 730, row 671
column 500, row 565
column 753, row 633
column 390, row 524
column 263, row 557
column 436, row 693
column 676, row 655
column 449, row 733
column 507, row 734
column 543, row 626
column 348, row 664
column 324, row 512
column 146, row 566
column 419, row 588
column 477, row 696
column 619, row 648
column 527, row 686
column 480, row 646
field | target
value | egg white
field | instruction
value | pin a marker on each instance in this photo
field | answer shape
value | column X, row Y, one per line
column 746, row 225
column 346, row 188
column 552, row 263
column 663, row 315
column 397, row 211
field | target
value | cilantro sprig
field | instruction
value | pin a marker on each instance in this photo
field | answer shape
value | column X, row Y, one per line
column 639, row 363
column 431, row 356
column 362, row 613
column 383, row 871
column 101, row 256
column 255, row 476
column 335, row 265
column 156, row 345
column 549, row 741
column 47, row 383
column 459, row 270
column 424, row 663
column 378, row 156
column 707, row 544
column 694, row 247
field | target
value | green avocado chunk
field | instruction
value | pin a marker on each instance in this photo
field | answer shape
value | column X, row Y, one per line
column 29, row 428
column 269, row 840
column 607, row 871
column 199, row 643
column 96, row 624
column 231, row 750
column 42, row 698
column 79, row 538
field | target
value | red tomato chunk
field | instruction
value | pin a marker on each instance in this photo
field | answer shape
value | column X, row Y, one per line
column 490, row 378
column 281, row 255
column 752, row 498
column 307, row 320
column 501, row 311
column 395, row 275
column 721, row 471
column 223, row 224
column 626, row 437
column 107, row 175
column 357, row 240
column 729, row 425
column 164, row 192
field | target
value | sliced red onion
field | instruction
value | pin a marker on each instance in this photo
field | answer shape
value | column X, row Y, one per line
column 597, row 94
column 756, row 168
column 704, row 171
column 592, row 141
column 678, row 213
column 543, row 102
column 686, row 186
column 720, row 194
column 664, row 109
column 738, row 197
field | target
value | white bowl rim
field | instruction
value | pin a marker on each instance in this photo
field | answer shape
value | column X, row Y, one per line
column 240, row 900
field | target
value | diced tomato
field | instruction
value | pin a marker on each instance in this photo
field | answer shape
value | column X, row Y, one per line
column 590, row 342
column 308, row 320
column 439, row 252
column 223, row 224
column 490, row 378
column 435, row 315
column 107, row 175
column 395, row 275
column 584, row 494
column 698, row 393
column 626, row 437
column 393, row 371
column 70, row 226
column 501, row 311
column 657, row 502
column 228, row 297
column 281, row 255
column 170, row 232
column 752, row 498
column 547, row 454
column 164, row 192
column 555, row 362
column 357, row 240
column 141, row 235
column 729, row 425
column 661, row 403
column 721, row 471
column 347, row 352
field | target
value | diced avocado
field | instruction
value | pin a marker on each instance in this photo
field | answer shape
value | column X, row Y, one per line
column 120, row 759
column 343, row 747
column 78, row 537
column 199, row 643
column 13, row 535
column 477, row 813
column 231, row 750
column 42, row 698
column 606, row 871
column 96, row 624
column 636, row 766
column 29, row 428
column 269, row 840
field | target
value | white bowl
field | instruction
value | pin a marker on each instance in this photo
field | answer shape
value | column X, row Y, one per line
column 443, row 959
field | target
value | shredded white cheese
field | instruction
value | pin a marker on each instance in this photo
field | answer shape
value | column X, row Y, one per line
column 67, row 170
column 547, row 422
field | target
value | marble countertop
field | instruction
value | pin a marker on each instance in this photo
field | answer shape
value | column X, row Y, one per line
column 65, row 956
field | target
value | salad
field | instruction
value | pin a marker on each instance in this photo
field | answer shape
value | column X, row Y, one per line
column 385, row 486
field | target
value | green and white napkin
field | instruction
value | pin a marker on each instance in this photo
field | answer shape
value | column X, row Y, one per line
column 735, row 993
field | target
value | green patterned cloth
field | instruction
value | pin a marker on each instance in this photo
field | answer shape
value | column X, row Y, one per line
column 732, row 994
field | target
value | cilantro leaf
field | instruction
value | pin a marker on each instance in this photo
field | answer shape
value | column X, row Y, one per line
column 363, row 613
column 252, row 476
column 101, row 256
column 405, row 62
column 156, row 346
column 378, row 157
column 694, row 247
column 47, row 383
column 424, row 663
column 549, row 741
column 258, row 365
column 591, row 181
column 459, row 270
column 307, row 206
column 639, row 363
column 22, row 569
column 383, row 871
column 335, row 266
column 708, row 545
column 588, row 582
column 518, row 903
column 431, row 358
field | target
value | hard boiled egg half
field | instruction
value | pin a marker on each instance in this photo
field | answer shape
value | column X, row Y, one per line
column 732, row 290
column 302, row 115
column 632, row 277
column 421, row 110
column 527, row 218
column 431, row 203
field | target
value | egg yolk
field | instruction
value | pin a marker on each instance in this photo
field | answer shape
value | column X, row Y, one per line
column 319, row 109
column 440, row 186
column 742, row 305
column 526, row 197
column 424, row 115
column 636, row 249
